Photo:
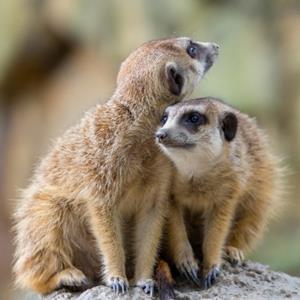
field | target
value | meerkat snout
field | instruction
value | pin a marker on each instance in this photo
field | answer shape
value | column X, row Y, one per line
column 161, row 135
column 170, row 138
column 203, row 51
column 211, row 55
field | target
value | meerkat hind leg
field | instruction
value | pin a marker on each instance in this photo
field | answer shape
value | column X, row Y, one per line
column 248, row 228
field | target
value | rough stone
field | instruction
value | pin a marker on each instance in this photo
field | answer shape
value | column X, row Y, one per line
column 251, row 281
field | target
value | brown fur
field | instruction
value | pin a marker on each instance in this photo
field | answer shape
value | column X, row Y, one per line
column 229, row 189
column 98, row 175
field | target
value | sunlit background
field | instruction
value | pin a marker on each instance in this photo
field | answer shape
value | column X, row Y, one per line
column 59, row 57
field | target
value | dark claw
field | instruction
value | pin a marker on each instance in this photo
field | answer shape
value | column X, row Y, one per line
column 194, row 277
column 151, row 291
column 184, row 273
column 191, row 274
column 148, row 289
column 234, row 262
column 123, row 287
column 118, row 286
column 211, row 277
column 148, row 286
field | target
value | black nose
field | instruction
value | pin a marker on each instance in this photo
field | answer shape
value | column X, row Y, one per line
column 161, row 135
column 215, row 46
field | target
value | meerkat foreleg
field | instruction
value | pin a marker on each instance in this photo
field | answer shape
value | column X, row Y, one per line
column 216, row 228
column 149, row 225
column 105, row 224
column 179, row 246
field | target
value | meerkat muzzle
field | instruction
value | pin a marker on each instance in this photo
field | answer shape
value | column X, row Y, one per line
column 168, row 140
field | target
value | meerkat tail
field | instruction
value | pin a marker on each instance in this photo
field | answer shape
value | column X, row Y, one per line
column 165, row 281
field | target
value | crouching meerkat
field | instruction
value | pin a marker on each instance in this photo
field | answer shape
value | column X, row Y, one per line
column 102, row 171
column 227, row 180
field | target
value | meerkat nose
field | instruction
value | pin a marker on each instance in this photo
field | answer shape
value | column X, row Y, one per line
column 161, row 135
column 215, row 47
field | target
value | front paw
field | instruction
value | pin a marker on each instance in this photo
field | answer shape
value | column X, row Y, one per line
column 118, row 284
column 233, row 255
column 188, row 266
column 210, row 276
column 190, row 270
column 147, row 285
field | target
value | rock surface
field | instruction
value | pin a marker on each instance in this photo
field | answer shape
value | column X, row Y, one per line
column 251, row 281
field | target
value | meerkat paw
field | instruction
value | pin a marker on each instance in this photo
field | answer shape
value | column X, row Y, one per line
column 210, row 276
column 190, row 270
column 118, row 284
column 147, row 285
column 234, row 255
column 188, row 266
column 73, row 280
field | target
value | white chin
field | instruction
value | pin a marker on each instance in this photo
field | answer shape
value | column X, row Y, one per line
column 174, row 153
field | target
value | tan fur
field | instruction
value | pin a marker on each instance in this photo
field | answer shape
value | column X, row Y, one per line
column 228, row 188
column 99, row 174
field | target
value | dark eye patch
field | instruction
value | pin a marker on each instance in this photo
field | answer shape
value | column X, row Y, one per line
column 192, row 120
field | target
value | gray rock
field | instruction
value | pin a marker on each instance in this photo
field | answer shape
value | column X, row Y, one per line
column 251, row 281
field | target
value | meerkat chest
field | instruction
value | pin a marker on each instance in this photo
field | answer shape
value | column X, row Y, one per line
column 196, row 196
column 150, row 183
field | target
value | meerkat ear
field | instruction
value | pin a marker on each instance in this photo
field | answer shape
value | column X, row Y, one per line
column 229, row 125
column 174, row 78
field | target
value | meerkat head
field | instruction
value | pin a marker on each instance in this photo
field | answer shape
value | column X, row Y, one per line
column 194, row 133
column 167, row 68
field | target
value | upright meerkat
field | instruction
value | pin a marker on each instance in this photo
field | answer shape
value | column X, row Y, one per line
column 226, row 179
column 102, row 172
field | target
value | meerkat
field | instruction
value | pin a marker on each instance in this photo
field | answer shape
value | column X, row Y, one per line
column 103, row 171
column 227, row 179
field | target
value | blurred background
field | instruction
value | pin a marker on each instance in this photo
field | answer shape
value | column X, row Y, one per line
column 57, row 58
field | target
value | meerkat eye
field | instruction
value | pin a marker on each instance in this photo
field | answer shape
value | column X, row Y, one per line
column 192, row 50
column 164, row 119
column 197, row 119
